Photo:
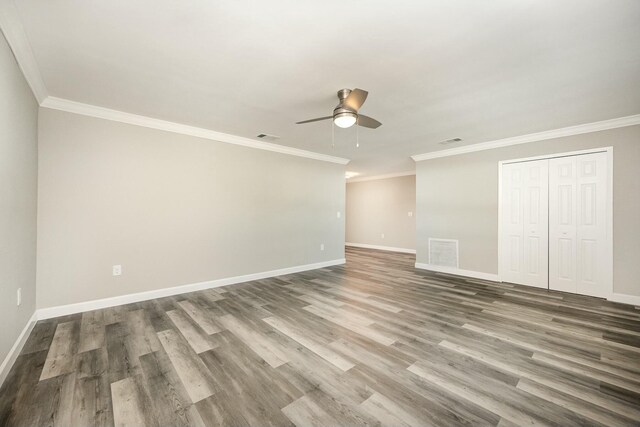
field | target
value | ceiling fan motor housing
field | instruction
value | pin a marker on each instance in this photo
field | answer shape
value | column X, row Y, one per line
column 341, row 109
column 343, row 94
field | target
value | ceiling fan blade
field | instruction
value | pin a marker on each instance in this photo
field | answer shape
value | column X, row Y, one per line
column 355, row 99
column 314, row 120
column 368, row 122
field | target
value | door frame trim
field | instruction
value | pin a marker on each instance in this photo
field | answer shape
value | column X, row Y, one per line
column 608, row 262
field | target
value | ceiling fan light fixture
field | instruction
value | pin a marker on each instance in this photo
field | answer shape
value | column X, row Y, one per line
column 345, row 120
column 346, row 114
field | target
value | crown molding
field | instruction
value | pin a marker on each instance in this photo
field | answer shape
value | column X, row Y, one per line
column 534, row 137
column 14, row 33
column 11, row 27
column 148, row 122
column 385, row 176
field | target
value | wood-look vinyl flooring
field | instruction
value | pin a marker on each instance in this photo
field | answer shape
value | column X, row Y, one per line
column 372, row 342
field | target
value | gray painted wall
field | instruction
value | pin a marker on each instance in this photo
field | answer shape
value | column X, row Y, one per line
column 457, row 198
column 382, row 206
column 18, row 195
column 172, row 209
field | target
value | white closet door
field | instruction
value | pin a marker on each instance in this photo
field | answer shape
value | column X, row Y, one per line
column 511, row 245
column 577, row 224
column 536, row 224
column 524, row 239
column 591, row 222
column 562, row 224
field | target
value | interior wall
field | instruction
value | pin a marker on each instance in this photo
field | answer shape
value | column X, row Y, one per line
column 18, row 196
column 380, row 207
column 172, row 209
column 457, row 198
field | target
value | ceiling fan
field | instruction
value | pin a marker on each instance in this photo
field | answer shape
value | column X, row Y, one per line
column 346, row 113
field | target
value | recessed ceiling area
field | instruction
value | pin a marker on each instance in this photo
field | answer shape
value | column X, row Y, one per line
column 436, row 70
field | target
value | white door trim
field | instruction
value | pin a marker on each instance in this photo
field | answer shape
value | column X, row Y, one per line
column 556, row 155
column 609, row 226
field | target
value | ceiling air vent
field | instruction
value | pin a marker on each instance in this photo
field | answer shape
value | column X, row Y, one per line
column 450, row 141
column 268, row 137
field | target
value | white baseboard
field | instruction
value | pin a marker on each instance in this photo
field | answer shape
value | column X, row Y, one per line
column 625, row 299
column 616, row 297
column 381, row 248
column 8, row 361
column 62, row 310
column 458, row 272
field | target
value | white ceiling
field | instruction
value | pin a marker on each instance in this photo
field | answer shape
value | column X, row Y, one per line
column 478, row 70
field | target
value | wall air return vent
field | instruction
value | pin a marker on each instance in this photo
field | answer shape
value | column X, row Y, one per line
column 443, row 252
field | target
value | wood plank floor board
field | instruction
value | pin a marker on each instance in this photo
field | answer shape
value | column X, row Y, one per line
column 92, row 363
column 191, row 331
column 62, row 352
column 170, row 400
column 390, row 413
column 586, row 388
column 104, row 404
column 239, row 308
column 142, row 337
column 612, row 380
column 437, row 406
column 552, row 343
column 40, row 337
column 258, row 342
column 92, row 331
column 475, row 370
column 532, row 340
column 314, row 326
column 318, row 408
column 261, row 402
column 250, row 370
column 84, row 406
column 200, row 316
column 92, row 402
column 132, row 404
column 373, row 342
column 221, row 410
column 500, row 400
column 47, row 392
column 158, row 315
column 354, row 323
column 371, row 353
column 593, row 412
column 319, row 348
column 195, row 376
column 114, row 314
column 122, row 361
column 319, row 374
column 16, row 394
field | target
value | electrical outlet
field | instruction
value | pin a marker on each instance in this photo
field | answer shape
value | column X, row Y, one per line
column 410, row 214
column 19, row 296
column 338, row 214
column 382, row 236
column 117, row 270
column 322, row 246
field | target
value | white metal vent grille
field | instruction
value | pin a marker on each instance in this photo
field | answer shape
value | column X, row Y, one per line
column 267, row 137
column 443, row 252
column 450, row 141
